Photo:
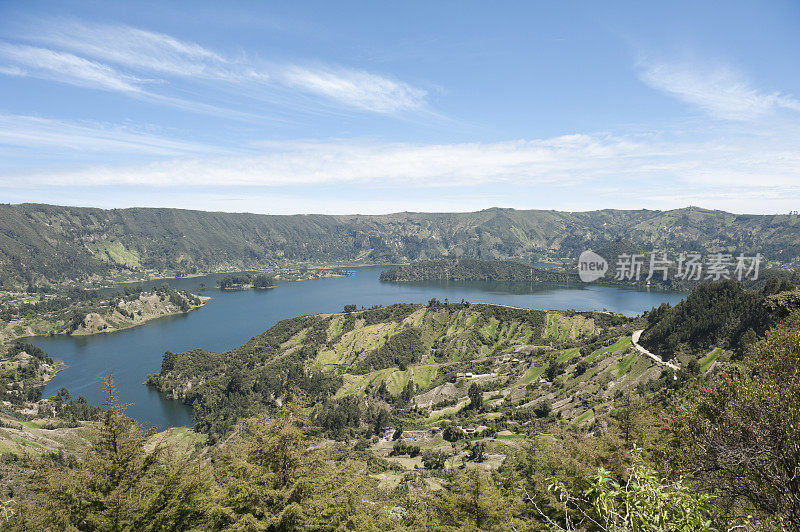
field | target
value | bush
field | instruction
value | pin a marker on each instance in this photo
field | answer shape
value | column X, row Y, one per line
column 553, row 370
column 400, row 448
column 542, row 408
column 643, row 501
column 452, row 433
column 434, row 459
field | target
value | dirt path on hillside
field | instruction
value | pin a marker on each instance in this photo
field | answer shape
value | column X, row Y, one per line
column 635, row 341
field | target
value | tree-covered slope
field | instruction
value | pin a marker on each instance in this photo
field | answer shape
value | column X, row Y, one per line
column 716, row 453
column 56, row 243
column 468, row 269
column 721, row 314
column 386, row 358
column 87, row 312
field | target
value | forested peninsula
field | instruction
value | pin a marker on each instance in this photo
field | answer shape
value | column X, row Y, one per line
column 468, row 269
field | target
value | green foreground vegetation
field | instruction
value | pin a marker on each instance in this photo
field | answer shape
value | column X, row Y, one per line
column 445, row 416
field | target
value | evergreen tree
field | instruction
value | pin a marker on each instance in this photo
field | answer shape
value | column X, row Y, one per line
column 274, row 477
column 472, row 501
column 120, row 484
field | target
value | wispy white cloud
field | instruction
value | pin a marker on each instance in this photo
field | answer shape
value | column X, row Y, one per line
column 65, row 67
column 740, row 173
column 311, row 163
column 59, row 136
column 142, row 49
column 721, row 91
column 11, row 70
column 82, row 54
column 356, row 88
column 567, row 161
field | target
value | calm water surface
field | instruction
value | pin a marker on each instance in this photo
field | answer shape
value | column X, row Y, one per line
column 230, row 318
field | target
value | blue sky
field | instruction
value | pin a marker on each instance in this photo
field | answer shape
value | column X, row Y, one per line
column 376, row 107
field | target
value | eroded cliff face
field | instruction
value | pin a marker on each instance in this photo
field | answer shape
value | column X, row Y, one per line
column 125, row 314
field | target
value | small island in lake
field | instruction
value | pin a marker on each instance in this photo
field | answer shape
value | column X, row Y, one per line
column 247, row 281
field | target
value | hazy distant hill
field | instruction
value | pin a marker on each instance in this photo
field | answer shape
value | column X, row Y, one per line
column 57, row 243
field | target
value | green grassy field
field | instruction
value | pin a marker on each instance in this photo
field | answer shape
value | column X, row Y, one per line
column 568, row 355
column 709, row 359
column 625, row 365
column 616, row 348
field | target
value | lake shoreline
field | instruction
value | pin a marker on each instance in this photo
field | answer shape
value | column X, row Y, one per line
column 28, row 324
column 233, row 317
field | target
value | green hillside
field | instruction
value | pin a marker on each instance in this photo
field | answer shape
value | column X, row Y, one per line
column 45, row 242
column 422, row 355
column 410, row 417
column 88, row 312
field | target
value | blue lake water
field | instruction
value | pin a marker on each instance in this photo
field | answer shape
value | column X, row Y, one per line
column 231, row 318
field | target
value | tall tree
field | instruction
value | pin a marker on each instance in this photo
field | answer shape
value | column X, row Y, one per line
column 472, row 501
column 121, row 483
column 274, row 476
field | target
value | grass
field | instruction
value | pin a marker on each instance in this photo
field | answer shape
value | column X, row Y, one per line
column 567, row 327
column 359, row 383
column 640, row 366
column 709, row 359
column 115, row 252
column 509, row 436
column 617, row 347
column 361, row 340
column 625, row 364
column 512, row 331
column 569, row 354
column 489, row 331
column 336, row 326
column 328, row 359
column 297, row 339
column 29, row 443
column 422, row 375
column 436, row 414
column 532, row 374
column 551, row 327
column 395, row 379
column 5, row 448
column 583, row 417
column 181, row 439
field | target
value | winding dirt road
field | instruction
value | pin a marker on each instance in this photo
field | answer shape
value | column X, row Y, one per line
column 635, row 341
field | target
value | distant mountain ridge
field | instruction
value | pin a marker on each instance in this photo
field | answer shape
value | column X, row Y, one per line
column 54, row 243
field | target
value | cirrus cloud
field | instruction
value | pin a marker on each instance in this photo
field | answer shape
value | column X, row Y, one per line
column 65, row 67
column 721, row 91
column 123, row 58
